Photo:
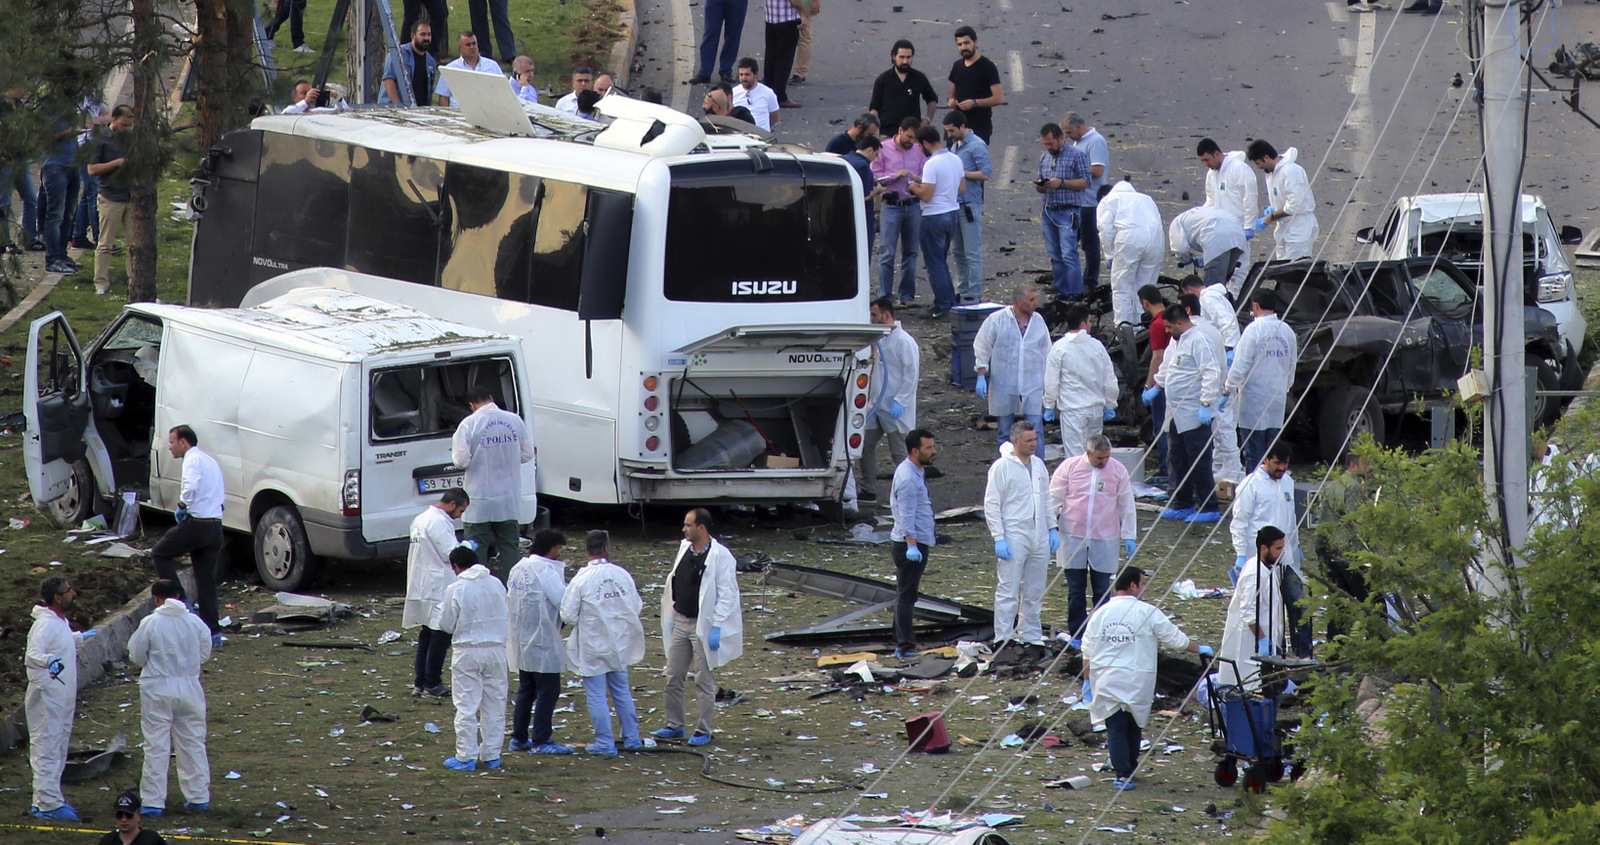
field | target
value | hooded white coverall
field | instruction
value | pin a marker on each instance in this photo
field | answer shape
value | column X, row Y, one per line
column 428, row 572
column 50, row 702
column 1218, row 310
column 1080, row 383
column 473, row 612
column 1016, row 506
column 602, row 605
column 1257, row 599
column 1289, row 190
column 1225, row 461
column 1262, row 372
column 1232, row 188
column 896, row 367
column 1120, row 644
column 719, row 604
column 492, row 445
column 533, row 606
column 1130, row 235
column 1015, row 362
column 1206, row 230
column 170, row 644
column 1261, row 501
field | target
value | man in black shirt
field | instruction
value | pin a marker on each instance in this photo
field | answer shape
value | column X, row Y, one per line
column 701, row 624
column 128, row 831
column 895, row 92
column 845, row 142
column 975, row 87
column 108, row 163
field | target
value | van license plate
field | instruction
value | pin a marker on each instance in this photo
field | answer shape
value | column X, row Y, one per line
column 441, row 483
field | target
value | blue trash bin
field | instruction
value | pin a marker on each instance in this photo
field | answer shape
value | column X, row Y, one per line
column 1251, row 723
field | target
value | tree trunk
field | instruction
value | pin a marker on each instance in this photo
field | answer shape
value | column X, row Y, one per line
column 144, row 153
column 225, row 66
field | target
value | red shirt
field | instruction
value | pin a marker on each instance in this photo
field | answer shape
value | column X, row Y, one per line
column 1158, row 334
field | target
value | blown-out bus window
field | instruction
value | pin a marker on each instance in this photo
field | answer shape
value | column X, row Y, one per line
column 303, row 205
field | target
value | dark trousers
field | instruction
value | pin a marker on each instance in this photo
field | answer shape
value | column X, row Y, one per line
column 1253, row 446
column 1123, row 736
column 724, row 18
column 536, row 694
column 1344, row 577
column 1299, row 618
column 907, row 581
column 487, row 12
column 432, row 646
column 438, row 18
column 1191, row 470
column 294, row 11
column 1158, row 416
column 87, row 221
column 782, row 40
column 498, row 545
column 1078, row 581
column 1089, row 242
column 201, row 540
column 58, row 205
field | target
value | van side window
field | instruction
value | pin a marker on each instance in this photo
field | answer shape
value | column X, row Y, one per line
column 394, row 203
column 303, row 202
column 429, row 400
column 559, row 243
column 491, row 240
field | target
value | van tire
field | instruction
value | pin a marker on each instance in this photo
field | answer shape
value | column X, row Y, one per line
column 81, row 501
column 283, row 555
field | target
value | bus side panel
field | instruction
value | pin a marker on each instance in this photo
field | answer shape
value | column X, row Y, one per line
column 221, row 253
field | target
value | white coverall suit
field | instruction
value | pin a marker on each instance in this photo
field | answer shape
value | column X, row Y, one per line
column 1130, row 236
column 1015, row 363
column 1209, row 231
column 493, row 444
column 170, row 644
column 1289, row 190
column 1262, row 372
column 1232, row 188
column 50, row 703
column 1258, row 599
column 1225, row 463
column 1016, row 506
column 473, row 612
column 1261, row 501
column 896, row 368
column 1080, row 383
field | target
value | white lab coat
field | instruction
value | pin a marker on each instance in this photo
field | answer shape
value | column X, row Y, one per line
column 1232, row 188
column 1120, row 644
column 50, row 703
column 533, row 606
column 894, row 378
column 171, row 644
column 1258, row 599
column 492, row 445
column 719, row 604
column 1191, row 374
column 1205, row 230
column 1080, row 383
column 1130, row 235
column 1225, row 462
column 473, row 612
column 602, row 606
column 1218, row 310
column 428, row 572
column 1289, row 190
column 1262, row 372
column 1094, row 508
column 1015, row 362
column 1261, row 501
column 1016, row 507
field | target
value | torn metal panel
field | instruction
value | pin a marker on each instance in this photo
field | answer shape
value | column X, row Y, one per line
column 872, row 595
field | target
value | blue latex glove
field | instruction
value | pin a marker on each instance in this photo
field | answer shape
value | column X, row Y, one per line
column 89, row 634
column 1183, row 261
column 914, row 554
column 1002, row 549
column 896, row 410
column 1263, row 647
column 1055, row 540
column 1108, row 264
column 1223, row 405
column 1230, row 357
column 1110, row 414
column 56, row 667
column 1206, row 651
column 1249, row 234
column 1233, row 576
column 1238, row 565
column 471, row 544
column 1129, row 547
column 714, row 641
column 1049, row 414
column 1149, row 395
column 1086, row 693
column 1266, row 212
column 983, row 387
column 1204, row 415
column 181, row 514
column 1261, row 223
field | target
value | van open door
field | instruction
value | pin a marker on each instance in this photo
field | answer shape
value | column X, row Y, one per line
column 55, row 403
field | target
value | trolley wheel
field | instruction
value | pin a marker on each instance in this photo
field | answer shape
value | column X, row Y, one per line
column 1227, row 773
column 1275, row 769
column 1255, row 778
column 1297, row 770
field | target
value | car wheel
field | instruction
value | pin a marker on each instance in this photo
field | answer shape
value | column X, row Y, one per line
column 1547, row 409
column 283, row 555
column 81, row 501
column 1347, row 413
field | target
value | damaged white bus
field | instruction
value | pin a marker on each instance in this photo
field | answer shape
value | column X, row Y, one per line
column 689, row 305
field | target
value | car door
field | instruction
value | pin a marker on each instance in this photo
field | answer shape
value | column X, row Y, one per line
column 1450, row 303
column 55, row 404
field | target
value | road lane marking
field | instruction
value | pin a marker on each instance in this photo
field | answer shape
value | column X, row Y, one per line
column 1346, row 49
column 1360, row 131
column 682, row 54
column 1008, row 164
column 1338, row 12
column 1015, row 57
column 1361, row 80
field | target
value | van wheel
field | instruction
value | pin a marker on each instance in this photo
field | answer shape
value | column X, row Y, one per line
column 1347, row 413
column 81, row 501
column 283, row 555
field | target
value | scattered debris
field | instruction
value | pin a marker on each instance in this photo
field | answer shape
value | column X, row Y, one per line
column 373, row 714
column 89, row 763
column 952, row 618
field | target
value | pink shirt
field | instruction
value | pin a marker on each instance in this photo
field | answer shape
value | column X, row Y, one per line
column 1093, row 503
column 891, row 160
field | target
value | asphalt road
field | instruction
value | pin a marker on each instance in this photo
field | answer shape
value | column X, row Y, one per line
column 1365, row 97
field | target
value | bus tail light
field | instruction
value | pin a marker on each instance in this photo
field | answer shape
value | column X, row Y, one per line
column 351, row 492
column 652, row 443
column 651, row 383
column 861, row 400
column 855, row 441
column 652, row 402
column 863, row 380
column 858, row 421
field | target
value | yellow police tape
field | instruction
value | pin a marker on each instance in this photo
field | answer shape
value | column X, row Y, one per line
column 167, row 836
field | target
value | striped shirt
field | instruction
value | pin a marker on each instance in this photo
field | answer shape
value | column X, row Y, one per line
column 781, row 11
column 1068, row 164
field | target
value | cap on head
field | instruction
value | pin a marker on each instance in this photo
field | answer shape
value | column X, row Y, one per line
column 127, row 802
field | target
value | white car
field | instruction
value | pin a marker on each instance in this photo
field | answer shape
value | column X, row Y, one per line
column 1451, row 226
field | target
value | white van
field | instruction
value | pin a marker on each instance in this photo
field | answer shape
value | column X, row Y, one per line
column 331, row 414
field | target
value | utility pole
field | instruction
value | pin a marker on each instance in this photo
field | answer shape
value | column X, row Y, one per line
column 1504, row 115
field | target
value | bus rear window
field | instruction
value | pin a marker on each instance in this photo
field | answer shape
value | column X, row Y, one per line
column 787, row 235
